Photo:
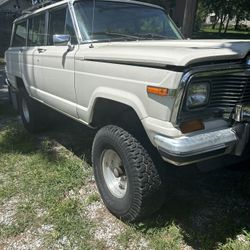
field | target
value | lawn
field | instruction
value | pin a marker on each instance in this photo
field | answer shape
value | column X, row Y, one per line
column 209, row 33
column 48, row 198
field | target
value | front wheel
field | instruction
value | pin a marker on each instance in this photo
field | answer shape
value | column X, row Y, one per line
column 128, row 181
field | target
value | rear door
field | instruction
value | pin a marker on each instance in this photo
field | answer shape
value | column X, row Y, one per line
column 36, row 42
column 56, row 81
column 14, row 55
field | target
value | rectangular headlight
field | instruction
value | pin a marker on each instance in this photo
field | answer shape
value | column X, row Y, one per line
column 198, row 95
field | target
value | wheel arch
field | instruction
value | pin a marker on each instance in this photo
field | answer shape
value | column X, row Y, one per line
column 20, row 84
column 106, row 111
column 119, row 97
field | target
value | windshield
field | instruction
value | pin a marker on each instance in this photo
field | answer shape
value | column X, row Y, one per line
column 123, row 21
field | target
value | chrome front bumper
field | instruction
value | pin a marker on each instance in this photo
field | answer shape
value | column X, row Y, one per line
column 199, row 147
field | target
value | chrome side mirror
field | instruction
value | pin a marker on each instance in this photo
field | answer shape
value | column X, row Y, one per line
column 63, row 40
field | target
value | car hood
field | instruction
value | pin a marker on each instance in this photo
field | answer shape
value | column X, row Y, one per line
column 174, row 52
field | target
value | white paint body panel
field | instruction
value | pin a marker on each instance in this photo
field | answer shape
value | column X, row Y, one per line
column 73, row 80
column 172, row 52
column 70, row 83
column 54, row 73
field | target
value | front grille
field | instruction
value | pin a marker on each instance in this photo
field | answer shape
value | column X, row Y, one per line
column 227, row 89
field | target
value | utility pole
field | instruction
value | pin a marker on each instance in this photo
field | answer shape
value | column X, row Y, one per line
column 189, row 17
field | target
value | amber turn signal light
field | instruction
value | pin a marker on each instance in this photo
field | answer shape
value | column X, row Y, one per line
column 191, row 126
column 157, row 91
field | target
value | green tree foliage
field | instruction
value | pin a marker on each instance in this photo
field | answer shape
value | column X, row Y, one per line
column 242, row 11
column 225, row 10
column 201, row 14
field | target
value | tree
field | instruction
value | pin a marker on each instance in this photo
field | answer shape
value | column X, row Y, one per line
column 242, row 11
column 222, row 9
column 189, row 17
column 201, row 15
column 225, row 10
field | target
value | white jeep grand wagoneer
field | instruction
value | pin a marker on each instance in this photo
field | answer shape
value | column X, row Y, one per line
column 123, row 67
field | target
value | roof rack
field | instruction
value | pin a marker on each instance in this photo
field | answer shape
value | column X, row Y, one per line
column 39, row 4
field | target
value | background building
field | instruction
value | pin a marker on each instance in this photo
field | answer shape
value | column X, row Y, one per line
column 9, row 10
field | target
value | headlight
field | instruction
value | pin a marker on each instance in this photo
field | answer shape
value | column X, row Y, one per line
column 198, row 95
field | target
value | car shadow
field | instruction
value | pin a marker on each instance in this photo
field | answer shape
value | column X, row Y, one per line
column 72, row 135
column 209, row 207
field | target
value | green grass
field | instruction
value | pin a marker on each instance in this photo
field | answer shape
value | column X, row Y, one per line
column 203, row 210
column 240, row 243
column 37, row 174
column 209, row 33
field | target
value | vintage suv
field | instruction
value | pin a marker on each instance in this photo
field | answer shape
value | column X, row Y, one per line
column 123, row 67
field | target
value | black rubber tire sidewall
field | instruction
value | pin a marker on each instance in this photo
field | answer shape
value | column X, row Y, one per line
column 37, row 120
column 144, row 190
column 118, row 206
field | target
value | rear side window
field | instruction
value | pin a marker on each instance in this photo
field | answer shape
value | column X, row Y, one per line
column 37, row 36
column 60, row 23
column 19, row 39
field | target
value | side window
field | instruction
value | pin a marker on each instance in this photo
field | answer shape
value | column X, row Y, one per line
column 37, row 36
column 20, row 34
column 60, row 23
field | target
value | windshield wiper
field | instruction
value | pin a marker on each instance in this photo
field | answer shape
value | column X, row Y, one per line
column 116, row 34
column 153, row 35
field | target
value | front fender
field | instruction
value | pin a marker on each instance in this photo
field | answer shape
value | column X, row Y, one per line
column 117, row 95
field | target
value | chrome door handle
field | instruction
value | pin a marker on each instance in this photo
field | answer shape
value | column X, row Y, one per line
column 40, row 50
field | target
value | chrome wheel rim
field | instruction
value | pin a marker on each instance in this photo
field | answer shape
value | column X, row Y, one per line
column 25, row 109
column 114, row 173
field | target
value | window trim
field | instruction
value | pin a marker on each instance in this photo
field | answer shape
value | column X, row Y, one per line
column 85, row 41
column 67, row 7
column 14, row 33
column 27, row 18
column 45, row 26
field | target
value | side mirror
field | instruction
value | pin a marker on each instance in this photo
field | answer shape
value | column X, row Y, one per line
column 63, row 40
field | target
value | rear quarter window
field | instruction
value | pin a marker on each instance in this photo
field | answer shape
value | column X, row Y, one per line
column 20, row 34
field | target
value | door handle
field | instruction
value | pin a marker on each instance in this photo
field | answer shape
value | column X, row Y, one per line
column 40, row 50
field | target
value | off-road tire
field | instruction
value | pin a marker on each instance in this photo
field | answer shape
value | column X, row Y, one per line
column 144, row 194
column 38, row 119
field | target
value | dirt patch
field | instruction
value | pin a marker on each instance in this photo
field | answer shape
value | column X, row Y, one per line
column 8, row 210
column 30, row 239
column 108, row 229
